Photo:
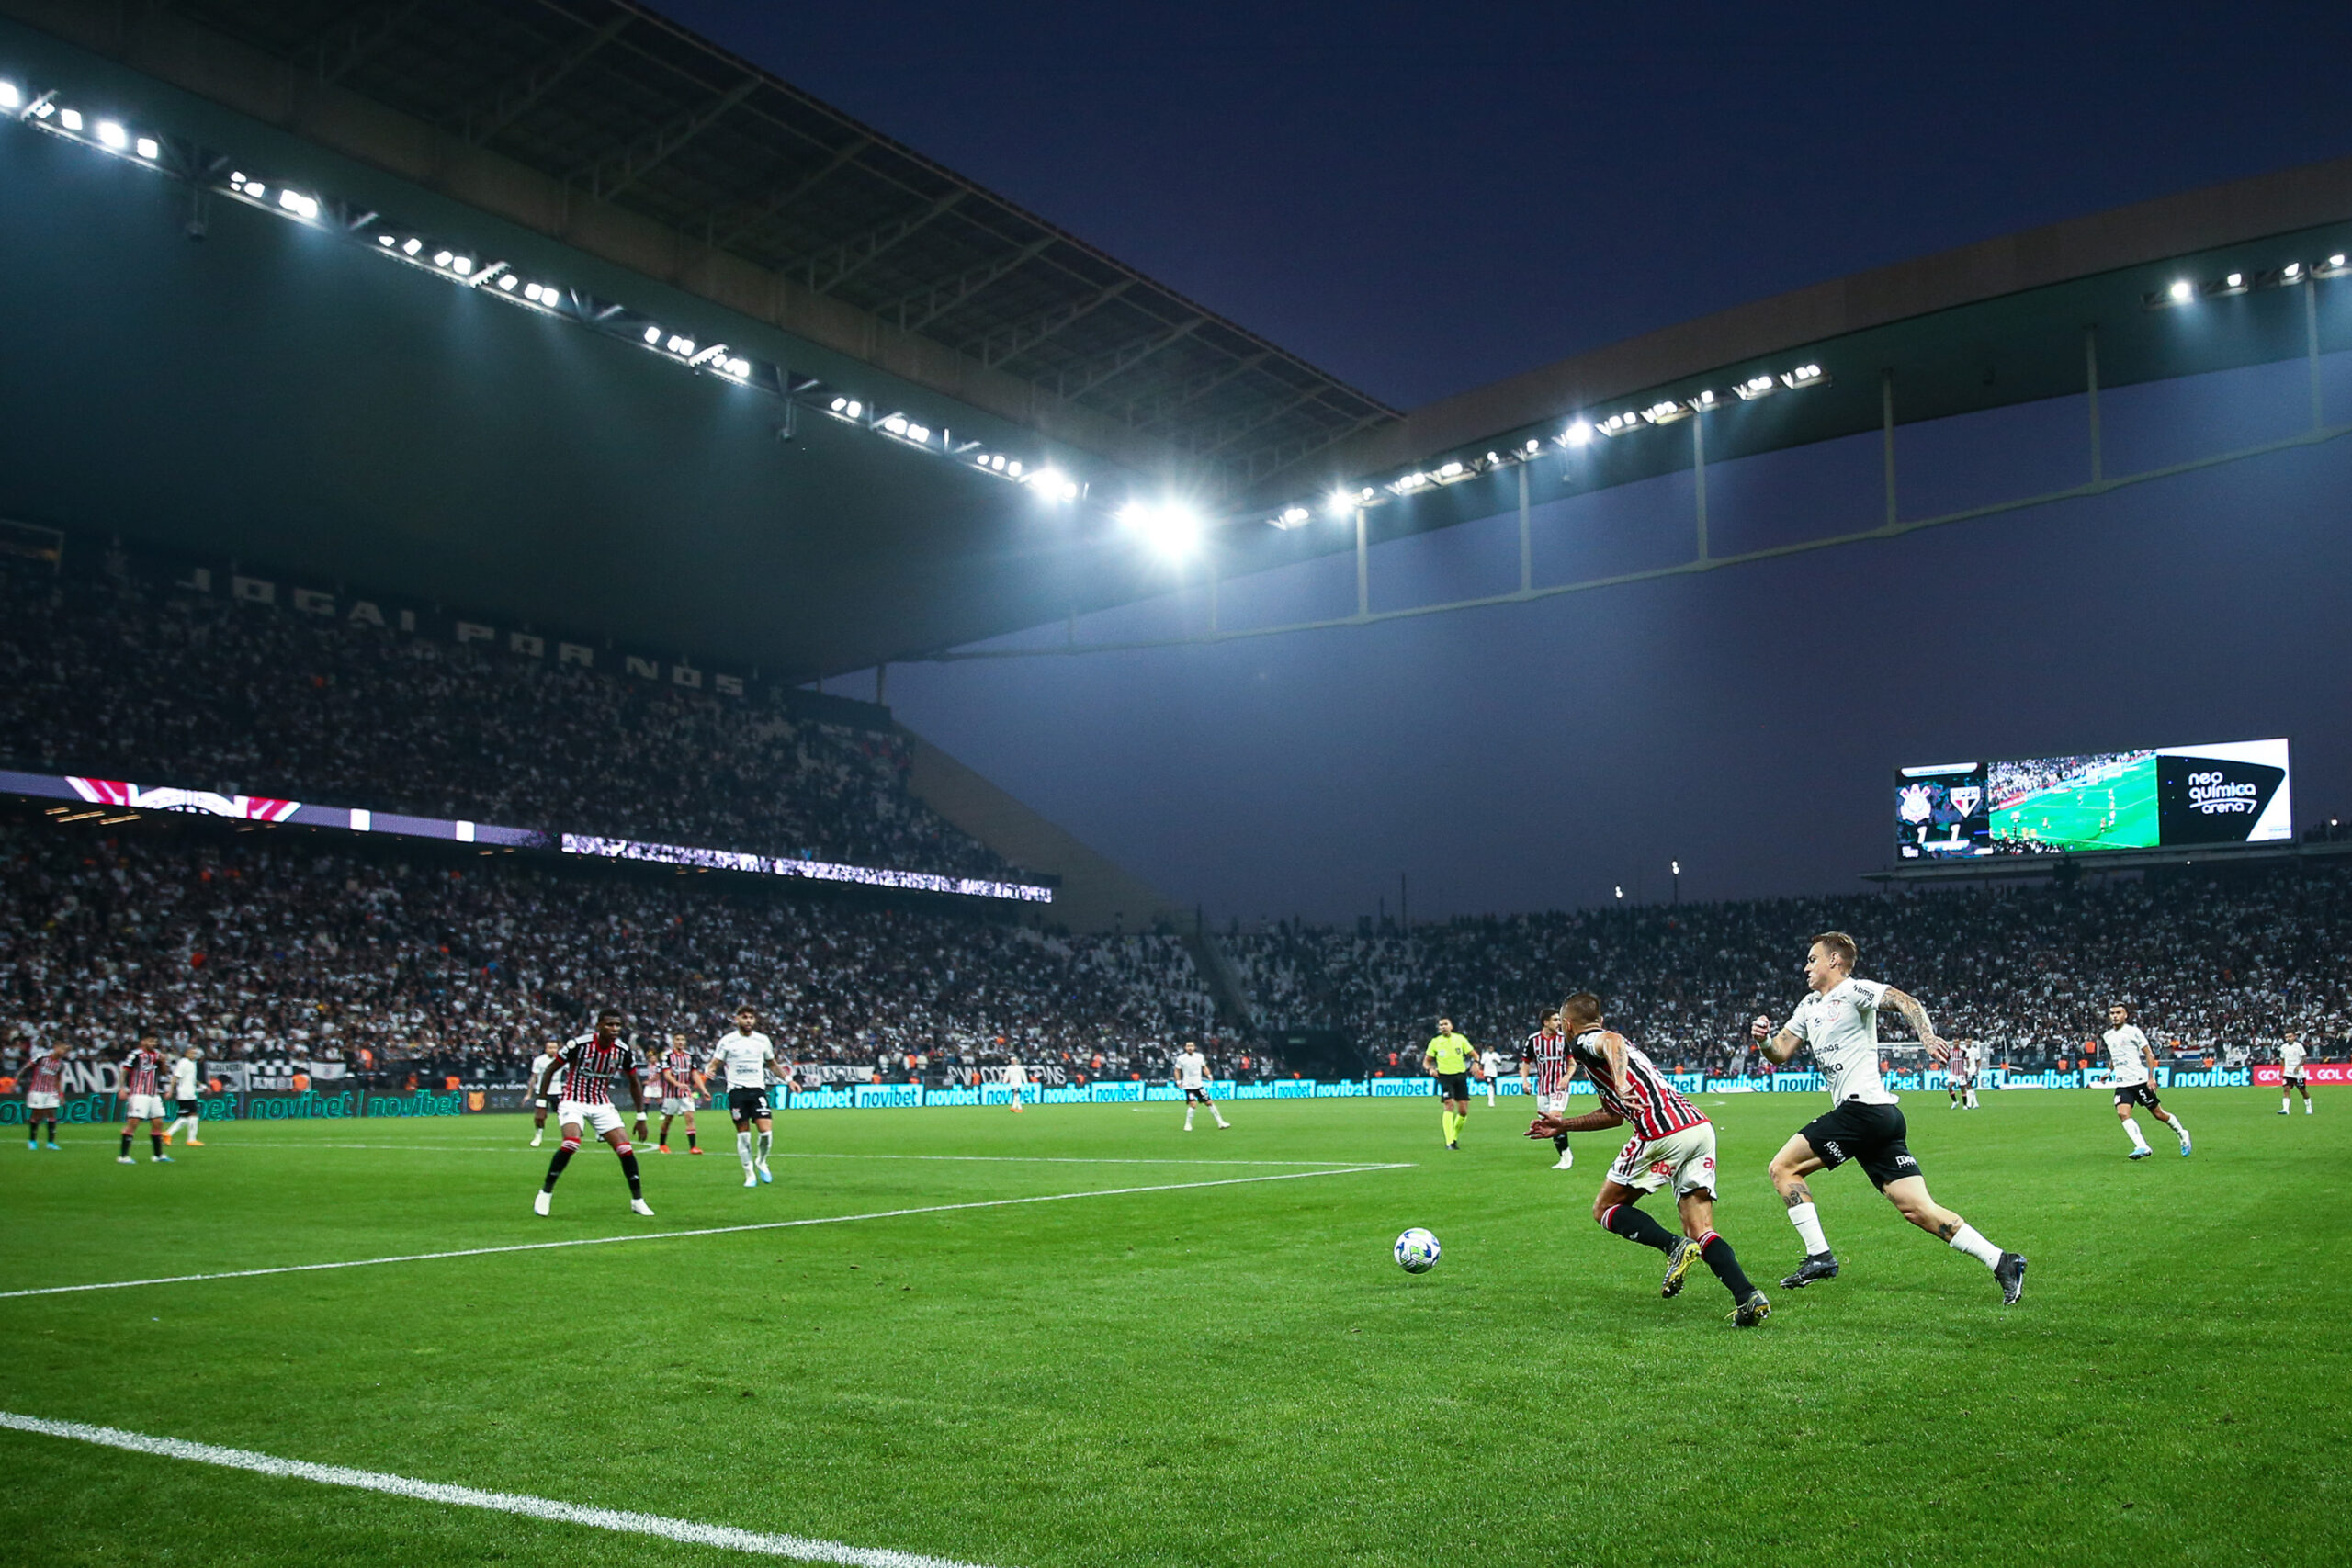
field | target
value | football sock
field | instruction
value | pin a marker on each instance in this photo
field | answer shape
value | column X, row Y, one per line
column 1971, row 1100
column 743, row 1151
column 194, row 1124
column 1634, row 1225
column 1965, row 1239
column 767, row 1140
column 1560, row 1142
column 1726, row 1263
column 690, row 1140
column 1807, row 1220
column 126, row 1143
column 1220, row 1117
column 563, row 1153
column 1188, row 1121
column 2131, row 1126
column 155, row 1143
column 628, row 1168
column 1446, row 1118
column 2180, row 1129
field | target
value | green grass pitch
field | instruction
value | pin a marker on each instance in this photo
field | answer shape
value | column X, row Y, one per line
column 2115, row 815
column 1208, row 1375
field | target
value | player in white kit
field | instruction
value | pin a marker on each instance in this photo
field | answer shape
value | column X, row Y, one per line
column 1016, row 1078
column 183, row 1093
column 748, row 1058
column 1192, row 1078
column 2127, row 1048
column 2291, row 1075
column 1839, row 1017
column 1490, row 1068
column 542, row 1092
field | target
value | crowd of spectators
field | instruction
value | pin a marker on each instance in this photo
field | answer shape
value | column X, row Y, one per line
column 266, row 947
column 2008, row 782
column 141, row 679
column 2222, row 965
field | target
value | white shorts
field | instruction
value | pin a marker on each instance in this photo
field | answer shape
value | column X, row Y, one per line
column 677, row 1105
column 1686, row 1158
column 598, row 1119
column 40, row 1101
column 145, row 1107
column 1552, row 1104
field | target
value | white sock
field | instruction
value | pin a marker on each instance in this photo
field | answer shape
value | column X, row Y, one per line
column 1188, row 1121
column 766, row 1140
column 2285, row 1102
column 2131, row 1126
column 173, row 1131
column 743, row 1151
column 193, row 1123
column 1220, row 1119
column 1966, row 1240
column 2180, row 1131
column 1971, row 1100
column 2307, row 1108
column 1808, row 1223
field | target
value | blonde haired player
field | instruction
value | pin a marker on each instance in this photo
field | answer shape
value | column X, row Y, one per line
column 2136, row 1084
column 1192, row 1075
column 1016, row 1078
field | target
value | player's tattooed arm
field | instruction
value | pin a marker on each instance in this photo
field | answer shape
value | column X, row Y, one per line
column 1777, row 1047
column 1909, row 1005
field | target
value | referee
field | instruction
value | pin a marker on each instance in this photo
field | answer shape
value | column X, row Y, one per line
column 1448, row 1057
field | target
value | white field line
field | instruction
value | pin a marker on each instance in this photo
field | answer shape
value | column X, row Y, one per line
column 802, row 1548
column 805, row 1154
column 673, row 1236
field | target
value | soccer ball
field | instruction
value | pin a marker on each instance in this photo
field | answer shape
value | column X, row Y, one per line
column 1417, row 1251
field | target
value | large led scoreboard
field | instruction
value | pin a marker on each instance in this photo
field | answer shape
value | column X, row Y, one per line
column 2233, row 792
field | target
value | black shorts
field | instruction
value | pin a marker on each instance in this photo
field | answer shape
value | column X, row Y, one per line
column 747, row 1104
column 187, row 1107
column 1454, row 1086
column 2138, row 1094
column 1196, row 1097
column 2293, row 1080
column 1869, row 1134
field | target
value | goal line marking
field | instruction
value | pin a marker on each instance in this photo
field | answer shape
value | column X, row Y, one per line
column 804, row 1549
column 673, row 1236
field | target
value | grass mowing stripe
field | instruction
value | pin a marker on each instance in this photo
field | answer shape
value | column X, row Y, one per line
column 808, row 1153
column 725, row 1537
column 675, row 1236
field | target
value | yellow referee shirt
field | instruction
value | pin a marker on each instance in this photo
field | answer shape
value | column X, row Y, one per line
column 1452, row 1053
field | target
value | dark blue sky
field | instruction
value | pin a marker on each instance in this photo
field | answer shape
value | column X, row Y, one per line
column 1425, row 199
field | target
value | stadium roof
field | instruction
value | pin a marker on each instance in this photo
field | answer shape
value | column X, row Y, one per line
column 856, row 240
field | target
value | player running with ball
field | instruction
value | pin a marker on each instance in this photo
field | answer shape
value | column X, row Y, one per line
column 589, row 1064
column 1671, row 1142
column 1839, row 1020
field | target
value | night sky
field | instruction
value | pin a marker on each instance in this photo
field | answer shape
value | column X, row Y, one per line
column 1425, row 199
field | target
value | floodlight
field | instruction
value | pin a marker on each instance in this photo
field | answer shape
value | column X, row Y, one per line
column 385, row 240
column 1806, row 376
column 11, row 95
column 506, row 283
column 70, row 119
column 443, row 258
column 652, row 335
column 1053, row 484
column 1013, row 467
column 1705, row 402
column 462, row 265
column 997, row 462
column 112, row 135
column 856, row 408
column 895, row 423
column 919, row 433
column 1292, row 516
column 738, row 367
column 2291, row 273
column 1340, row 503
column 1406, row 484
column 2182, row 291
column 1578, row 432
column 412, row 248
column 1169, row 526
column 149, row 148
column 681, row 344
column 1756, row 386
column 1619, row 423
column 1449, row 470
column 1534, row 445
column 1666, row 410
column 2336, row 260
column 43, row 109
column 2235, row 280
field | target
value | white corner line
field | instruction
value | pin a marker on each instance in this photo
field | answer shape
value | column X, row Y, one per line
column 726, row 1538
column 673, row 1236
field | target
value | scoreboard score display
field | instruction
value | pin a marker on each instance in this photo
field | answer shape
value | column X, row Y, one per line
column 2231, row 792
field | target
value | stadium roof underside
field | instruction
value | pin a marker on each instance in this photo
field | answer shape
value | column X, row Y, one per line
column 580, row 477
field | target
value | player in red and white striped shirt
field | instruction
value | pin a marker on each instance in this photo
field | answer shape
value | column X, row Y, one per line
column 589, row 1064
column 1672, row 1143
column 675, row 1084
column 142, row 1098
column 1545, row 1056
column 44, row 1083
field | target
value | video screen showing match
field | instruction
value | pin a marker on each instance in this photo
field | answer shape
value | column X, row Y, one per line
column 2228, row 792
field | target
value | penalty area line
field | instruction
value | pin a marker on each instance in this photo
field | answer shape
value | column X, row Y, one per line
column 676, row 1236
column 804, row 1549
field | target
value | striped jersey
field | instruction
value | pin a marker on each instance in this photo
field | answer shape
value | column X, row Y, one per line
column 138, row 1070
column 589, row 1067
column 1645, row 1099
column 677, row 1068
column 44, row 1076
column 1549, row 1052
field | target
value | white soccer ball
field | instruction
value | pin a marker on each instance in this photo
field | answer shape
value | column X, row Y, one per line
column 1417, row 1251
